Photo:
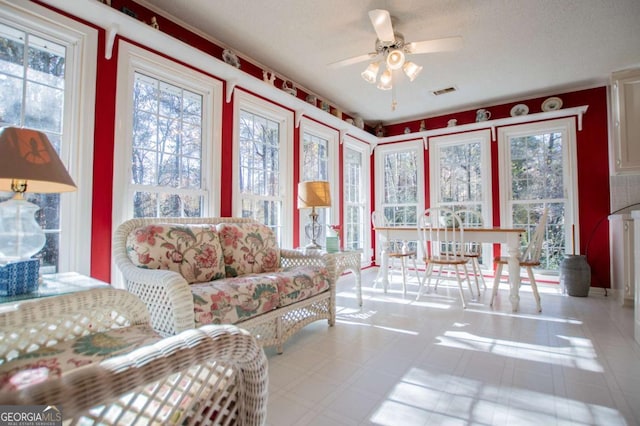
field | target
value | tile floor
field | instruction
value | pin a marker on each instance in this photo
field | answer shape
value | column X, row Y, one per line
column 396, row 361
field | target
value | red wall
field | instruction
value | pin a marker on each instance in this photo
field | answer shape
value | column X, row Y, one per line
column 593, row 173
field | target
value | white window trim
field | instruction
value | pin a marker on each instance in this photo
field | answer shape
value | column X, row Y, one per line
column 333, row 139
column 132, row 59
column 380, row 152
column 484, row 136
column 248, row 102
column 567, row 127
column 77, row 126
column 364, row 149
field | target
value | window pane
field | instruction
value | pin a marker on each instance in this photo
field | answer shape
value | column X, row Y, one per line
column 33, row 96
column 537, row 180
column 167, row 149
column 259, row 172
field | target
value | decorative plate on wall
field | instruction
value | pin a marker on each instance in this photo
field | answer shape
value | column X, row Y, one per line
column 552, row 104
column 520, row 109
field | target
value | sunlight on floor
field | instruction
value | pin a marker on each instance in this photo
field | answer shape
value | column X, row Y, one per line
column 424, row 395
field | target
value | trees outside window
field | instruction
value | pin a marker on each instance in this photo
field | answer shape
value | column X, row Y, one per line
column 168, row 155
column 262, row 145
column 42, row 64
column 356, row 223
column 538, row 170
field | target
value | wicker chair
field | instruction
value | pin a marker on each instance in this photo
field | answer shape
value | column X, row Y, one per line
column 211, row 375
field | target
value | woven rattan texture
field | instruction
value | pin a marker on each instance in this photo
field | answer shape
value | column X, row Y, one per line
column 170, row 302
column 210, row 375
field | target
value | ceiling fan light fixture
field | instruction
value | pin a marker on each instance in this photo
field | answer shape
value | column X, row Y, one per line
column 385, row 81
column 411, row 70
column 395, row 59
column 371, row 73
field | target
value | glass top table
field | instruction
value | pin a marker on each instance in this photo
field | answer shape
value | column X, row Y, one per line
column 56, row 284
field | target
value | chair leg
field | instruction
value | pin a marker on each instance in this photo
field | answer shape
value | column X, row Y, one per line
column 496, row 283
column 534, row 287
column 468, row 278
column 476, row 270
column 427, row 277
column 484, row 283
column 403, row 265
column 415, row 268
column 464, row 304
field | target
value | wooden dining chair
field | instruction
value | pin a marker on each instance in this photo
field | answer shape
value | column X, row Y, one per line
column 441, row 239
column 472, row 249
column 393, row 252
column 529, row 259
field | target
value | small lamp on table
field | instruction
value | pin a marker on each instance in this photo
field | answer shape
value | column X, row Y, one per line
column 28, row 162
column 312, row 194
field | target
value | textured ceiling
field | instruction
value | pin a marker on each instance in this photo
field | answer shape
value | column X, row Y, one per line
column 512, row 49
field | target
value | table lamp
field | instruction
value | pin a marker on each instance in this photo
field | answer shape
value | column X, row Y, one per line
column 28, row 162
column 312, row 194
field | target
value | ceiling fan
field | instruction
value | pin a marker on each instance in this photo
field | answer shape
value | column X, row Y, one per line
column 392, row 48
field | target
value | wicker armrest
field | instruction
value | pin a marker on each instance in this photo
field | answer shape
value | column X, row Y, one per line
column 166, row 295
column 212, row 375
column 30, row 324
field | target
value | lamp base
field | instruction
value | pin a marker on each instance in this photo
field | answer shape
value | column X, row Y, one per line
column 20, row 235
column 313, row 246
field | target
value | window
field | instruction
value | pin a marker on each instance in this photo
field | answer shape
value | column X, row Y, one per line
column 318, row 160
column 166, row 173
column 400, row 179
column 460, row 176
column 41, row 74
column 356, row 224
column 166, row 166
column 262, row 152
column 538, row 170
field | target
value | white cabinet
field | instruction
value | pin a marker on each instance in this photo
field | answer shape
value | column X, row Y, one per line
column 621, row 248
column 625, row 155
column 636, row 259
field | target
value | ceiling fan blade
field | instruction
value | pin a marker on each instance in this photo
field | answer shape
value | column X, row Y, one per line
column 353, row 60
column 437, row 45
column 381, row 21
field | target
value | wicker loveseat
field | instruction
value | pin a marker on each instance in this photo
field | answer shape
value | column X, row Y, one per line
column 196, row 271
column 93, row 356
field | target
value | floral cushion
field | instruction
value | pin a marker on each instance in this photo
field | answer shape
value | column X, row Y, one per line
column 231, row 300
column 193, row 251
column 301, row 283
column 54, row 361
column 249, row 248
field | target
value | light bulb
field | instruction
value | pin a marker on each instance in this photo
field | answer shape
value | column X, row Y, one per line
column 395, row 59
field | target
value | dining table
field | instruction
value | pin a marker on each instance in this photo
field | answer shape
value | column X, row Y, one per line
column 510, row 237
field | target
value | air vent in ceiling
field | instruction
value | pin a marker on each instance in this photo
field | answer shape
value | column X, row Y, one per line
column 443, row 91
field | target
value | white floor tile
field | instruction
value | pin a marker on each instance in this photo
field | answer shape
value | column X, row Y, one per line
column 398, row 361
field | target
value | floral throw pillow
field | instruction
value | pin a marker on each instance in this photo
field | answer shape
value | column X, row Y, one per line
column 249, row 248
column 193, row 251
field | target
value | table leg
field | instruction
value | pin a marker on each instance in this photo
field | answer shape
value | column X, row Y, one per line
column 383, row 271
column 357, row 272
column 514, row 273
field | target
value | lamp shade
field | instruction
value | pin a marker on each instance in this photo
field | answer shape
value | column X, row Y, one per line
column 313, row 194
column 370, row 74
column 27, row 155
column 411, row 70
column 385, row 82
